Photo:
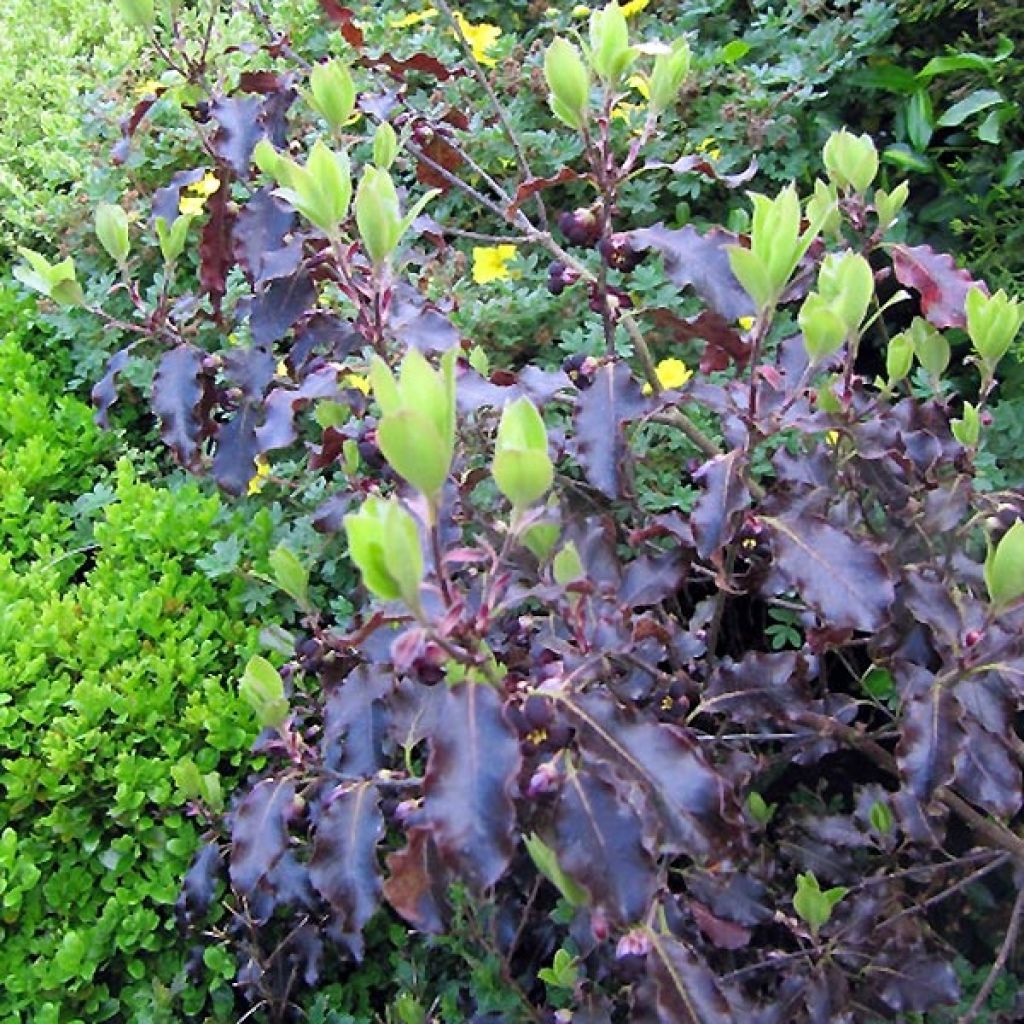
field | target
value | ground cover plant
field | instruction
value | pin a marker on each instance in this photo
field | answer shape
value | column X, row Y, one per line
column 118, row 656
column 779, row 703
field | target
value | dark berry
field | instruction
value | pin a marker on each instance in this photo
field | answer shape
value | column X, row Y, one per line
column 581, row 227
column 618, row 253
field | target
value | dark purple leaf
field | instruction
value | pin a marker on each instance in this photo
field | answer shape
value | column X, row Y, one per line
column 470, row 778
column 721, row 933
column 718, row 511
column 839, row 577
column 762, row 688
column 942, row 285
column 273, row 311
column 612, row 400
column 344, row 17
column 234, row 463
column 532, row 186
column 417, row 324
column 215, row 247
column 599, row 843
column 356, row 720
column 130, row 124
column 987, row 773
column 915, row 983
column 240, row 129
column 199, row 885
column 166, row 200
column 251, row 369
column 700, row 164
column 700, row 262
column 179, row 392
column 259, row 836
column 104, row 394
column 325, row 333
column 261, row 227
column 932, row 737
column 283, row 404
column 724, row 345
column 651, row 579
column 344, row 868
column 687, row 992
column 693, row 808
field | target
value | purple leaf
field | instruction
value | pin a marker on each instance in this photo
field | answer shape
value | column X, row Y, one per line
column 415, row 884
column 216, row 250
column 467, row 790
column 942, row 285
column 104, row 394
column 261, row 227
column 234, row 463
column 343, row 868
column 601, row 412
column 717, row 512
column 179, row 392
column 283, row 404
column 700, row 262
column 260, row 833
column 240, row 129
column 838, row 576
column 932, row 737
column 687, row 992
column 274, row 310
column 199, row 885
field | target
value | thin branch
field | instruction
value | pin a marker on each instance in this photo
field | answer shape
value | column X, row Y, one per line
column 999, row 966
column 485, row 84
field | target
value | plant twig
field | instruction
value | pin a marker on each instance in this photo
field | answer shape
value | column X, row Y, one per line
column 1009, row 941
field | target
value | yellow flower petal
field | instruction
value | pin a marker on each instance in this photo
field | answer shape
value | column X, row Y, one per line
column 673, row 373
column 832, row 436
column 490, row 262
column 581, row 11
column 191, row 206
column 259, row 481
column 150, row 87
column 206, row 185
column 481, row 38
column 634, row 7
column 357, row 381
column 745, row 322
column 640, row 83
column 413, row 19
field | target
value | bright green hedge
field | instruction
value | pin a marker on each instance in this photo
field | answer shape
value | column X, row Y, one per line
column 118, row 657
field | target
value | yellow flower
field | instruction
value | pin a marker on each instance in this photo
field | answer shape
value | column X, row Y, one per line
column 357, row 381
column 832, row 436
column 282, row 368
column 624, row 111
column 490, row 262
column 481, row 38
column 413, row 19
column 634, row 7
column 745, row 322
column 639, row 82
column 672, row 373
column 581, row 11
column 259, row 481
column 710, row 147
column 150, row 87
column 206, row 186
column 191, row 206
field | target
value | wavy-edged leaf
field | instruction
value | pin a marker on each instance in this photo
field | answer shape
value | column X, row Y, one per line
column 987, row 773
column 275, row 309
column 532, row 186
column 932, row 737
column 942, row 285
column 345, row 18
column 612, row 400
column 179, row 393
column 467, row 789
column 717, row 512
column 199, row 885
column 239, row 129
column 691, row 807
column 234, row 463
column 344, row 868
column 356, row 720
column 261, row 227
column 216, row 249
column 599, row 842
column 415, row 884
column 104, row 394
column 687, row 991
column 259, row 835
column 283, row 404
column 700, row 262
column 841, row 579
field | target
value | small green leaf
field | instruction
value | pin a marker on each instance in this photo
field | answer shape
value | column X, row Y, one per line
column 290, row 575
column 977, row 101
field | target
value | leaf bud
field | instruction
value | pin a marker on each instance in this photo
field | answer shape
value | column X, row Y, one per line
column 138, row 13
column 1004, row 567
column 899, row 357
column 930, row 347
column 669, row 74
column 263, row 690
column 385, row 146
column 889, row 204
column 823, row 207
column 112, row 231
column 522, row 468
column 881, row 817
column 57, row 281
column 321, row 191
column 610, row 52
column 332, row 92
column 851, row 160
column 379, row 214
column 846, row 281
column 823, row 329
column 567, row 567
column 992, row 323
column 384, row 543
column 568, row 82
column 967, row 429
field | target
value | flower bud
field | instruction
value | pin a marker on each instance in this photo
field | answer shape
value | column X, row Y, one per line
column 332, row 93
column 1004, row 567
column 384, row 543
column 669, row 74
column 992, row 323
column 112, row 231
column 385, row 146
column 610, row 52
column 851, row 160
column 568, row 82
column 522, row 468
